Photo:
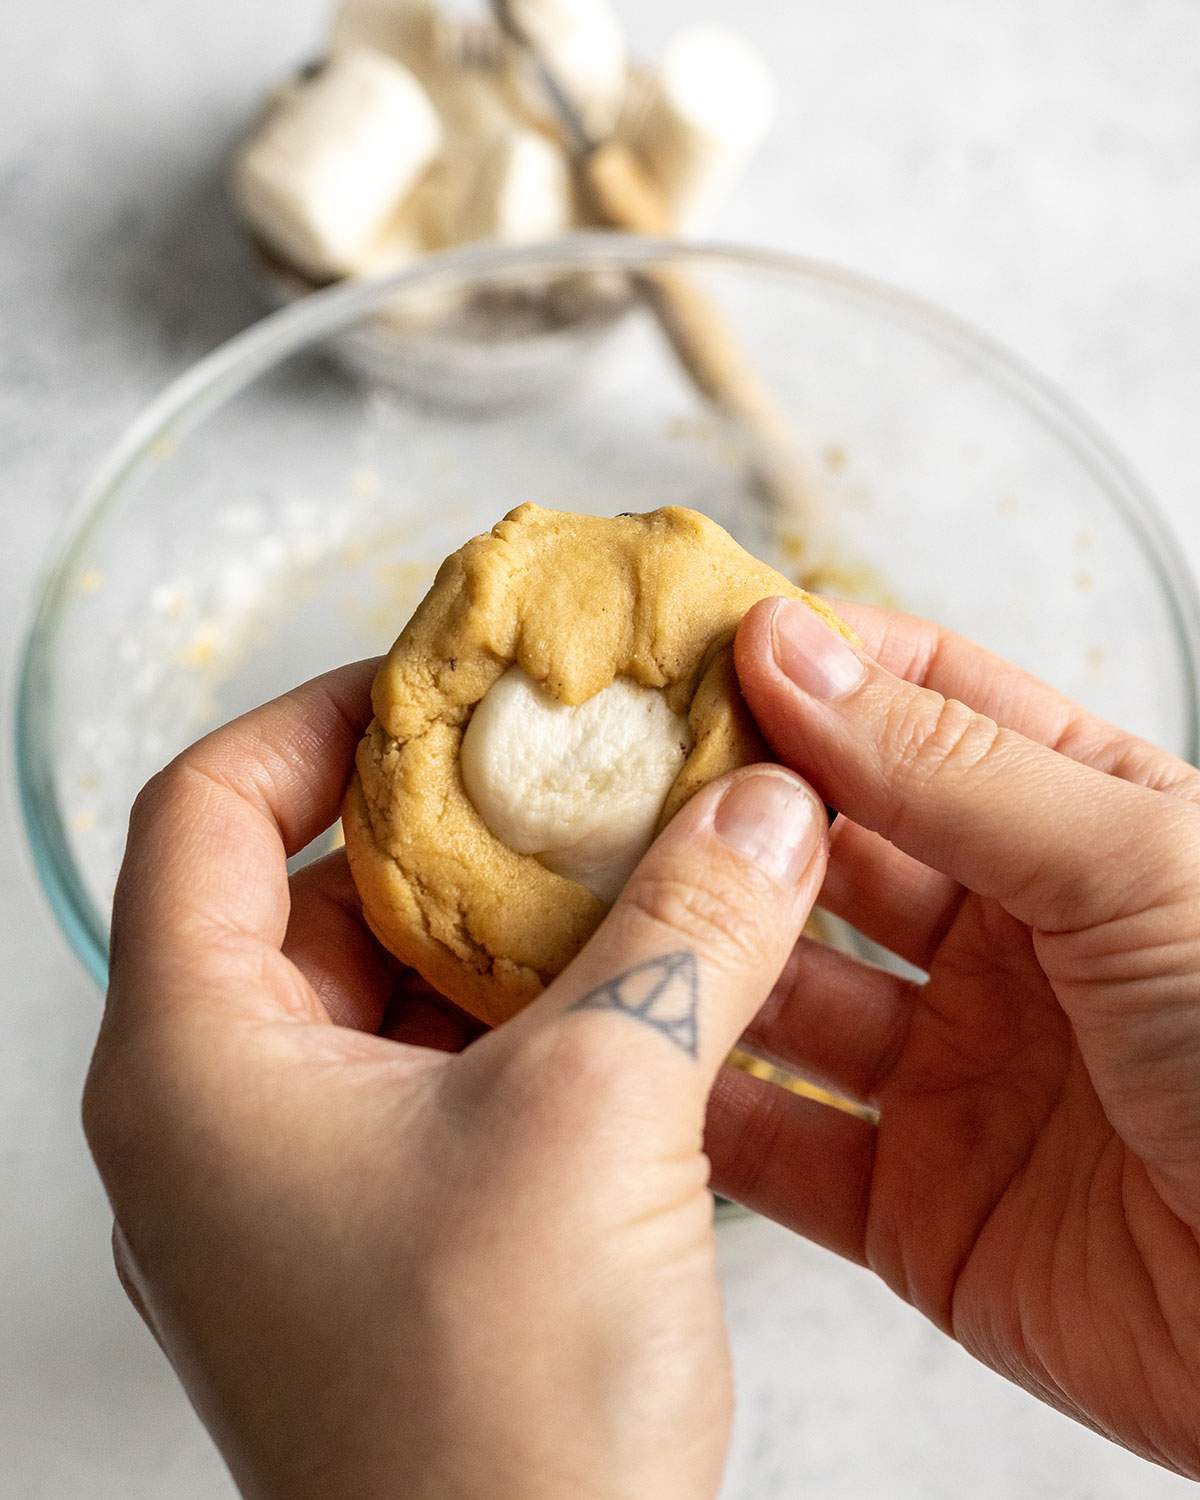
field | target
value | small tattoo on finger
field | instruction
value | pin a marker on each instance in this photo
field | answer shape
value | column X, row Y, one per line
column 663, row 993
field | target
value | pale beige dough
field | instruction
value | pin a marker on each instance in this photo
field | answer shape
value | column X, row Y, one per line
column 577, row 602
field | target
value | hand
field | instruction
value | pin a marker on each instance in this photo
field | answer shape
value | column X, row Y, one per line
column 385, row 1269
column 1034, row 1184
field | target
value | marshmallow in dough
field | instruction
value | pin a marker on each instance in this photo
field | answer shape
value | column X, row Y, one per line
column 582, row 786
column 567, row 684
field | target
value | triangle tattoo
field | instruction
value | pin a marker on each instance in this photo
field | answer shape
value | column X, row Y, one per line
column 662, row 992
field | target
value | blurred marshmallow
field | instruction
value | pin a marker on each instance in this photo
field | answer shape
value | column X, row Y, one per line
column 333, row 162
column 705, row 113
column 456, row 58
column 408, row 30
column 520, row 189
column 583, row 45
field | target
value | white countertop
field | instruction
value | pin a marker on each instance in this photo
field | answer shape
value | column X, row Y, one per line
column 1033, row 166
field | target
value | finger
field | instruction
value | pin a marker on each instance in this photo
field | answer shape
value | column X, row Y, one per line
column 419, row 1017
column 1059, row 844
column 330, row 944
column 834, row 1020
column 358, row 983
column 203, row 898
column 697, row 938
column 893, row 899
column 792, row 1159
column 933, row 657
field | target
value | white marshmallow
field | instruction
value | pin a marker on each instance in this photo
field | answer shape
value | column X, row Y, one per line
column 519, row 189
column 510, row 188
column 456, row 58
column 401, row 242
column 331, row 165
column 579, row 787
column 583, row 45
column 408, row 30
column 466, row 90
column 706, row 113
column 412, row 234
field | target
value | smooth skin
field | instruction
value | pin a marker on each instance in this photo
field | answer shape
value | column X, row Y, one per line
column 388, row 1256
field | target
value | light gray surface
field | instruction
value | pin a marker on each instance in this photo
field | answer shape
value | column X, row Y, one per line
column 1034, row 166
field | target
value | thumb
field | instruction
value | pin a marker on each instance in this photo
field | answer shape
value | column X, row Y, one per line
column 1060, row 845
column 695, row 942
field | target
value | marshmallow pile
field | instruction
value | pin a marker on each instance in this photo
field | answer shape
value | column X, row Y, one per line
column 423, row 129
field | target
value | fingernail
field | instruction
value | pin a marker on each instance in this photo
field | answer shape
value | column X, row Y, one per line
column 817, row 661
column 772, row 821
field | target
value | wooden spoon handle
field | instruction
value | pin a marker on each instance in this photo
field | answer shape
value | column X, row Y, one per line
column 707, row 348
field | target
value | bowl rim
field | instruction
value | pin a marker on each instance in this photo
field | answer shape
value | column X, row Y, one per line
column 226, row 370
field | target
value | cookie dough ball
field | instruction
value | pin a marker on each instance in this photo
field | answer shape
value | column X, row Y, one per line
column 563, row 689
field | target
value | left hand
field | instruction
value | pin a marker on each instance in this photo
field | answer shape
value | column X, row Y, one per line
column 386, row 1255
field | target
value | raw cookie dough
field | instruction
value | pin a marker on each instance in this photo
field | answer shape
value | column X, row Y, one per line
column 577, row 602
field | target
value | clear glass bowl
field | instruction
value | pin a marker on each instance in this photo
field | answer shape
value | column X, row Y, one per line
column 283, row 506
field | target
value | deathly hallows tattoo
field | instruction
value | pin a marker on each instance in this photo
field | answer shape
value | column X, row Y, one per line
column 662, row 992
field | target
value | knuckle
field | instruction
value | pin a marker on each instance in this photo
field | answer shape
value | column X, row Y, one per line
column 1134, row 894
column 563, row 1062
column 1147, row 766
column 148, row 800
column 1126, row 757
column 123, row 1262
column 120, row 1106
column 163, row 788
column 93, row 1112
column 120, row 1257
column 129, row 1276
column 104, row 1112
column 925, row 741
column 189, row 778
column 721, row 917
column 1176, row 846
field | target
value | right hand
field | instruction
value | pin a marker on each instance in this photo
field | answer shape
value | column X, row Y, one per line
column 1034, row 1183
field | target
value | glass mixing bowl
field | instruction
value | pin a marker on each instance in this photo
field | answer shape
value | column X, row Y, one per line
column 283, row 506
